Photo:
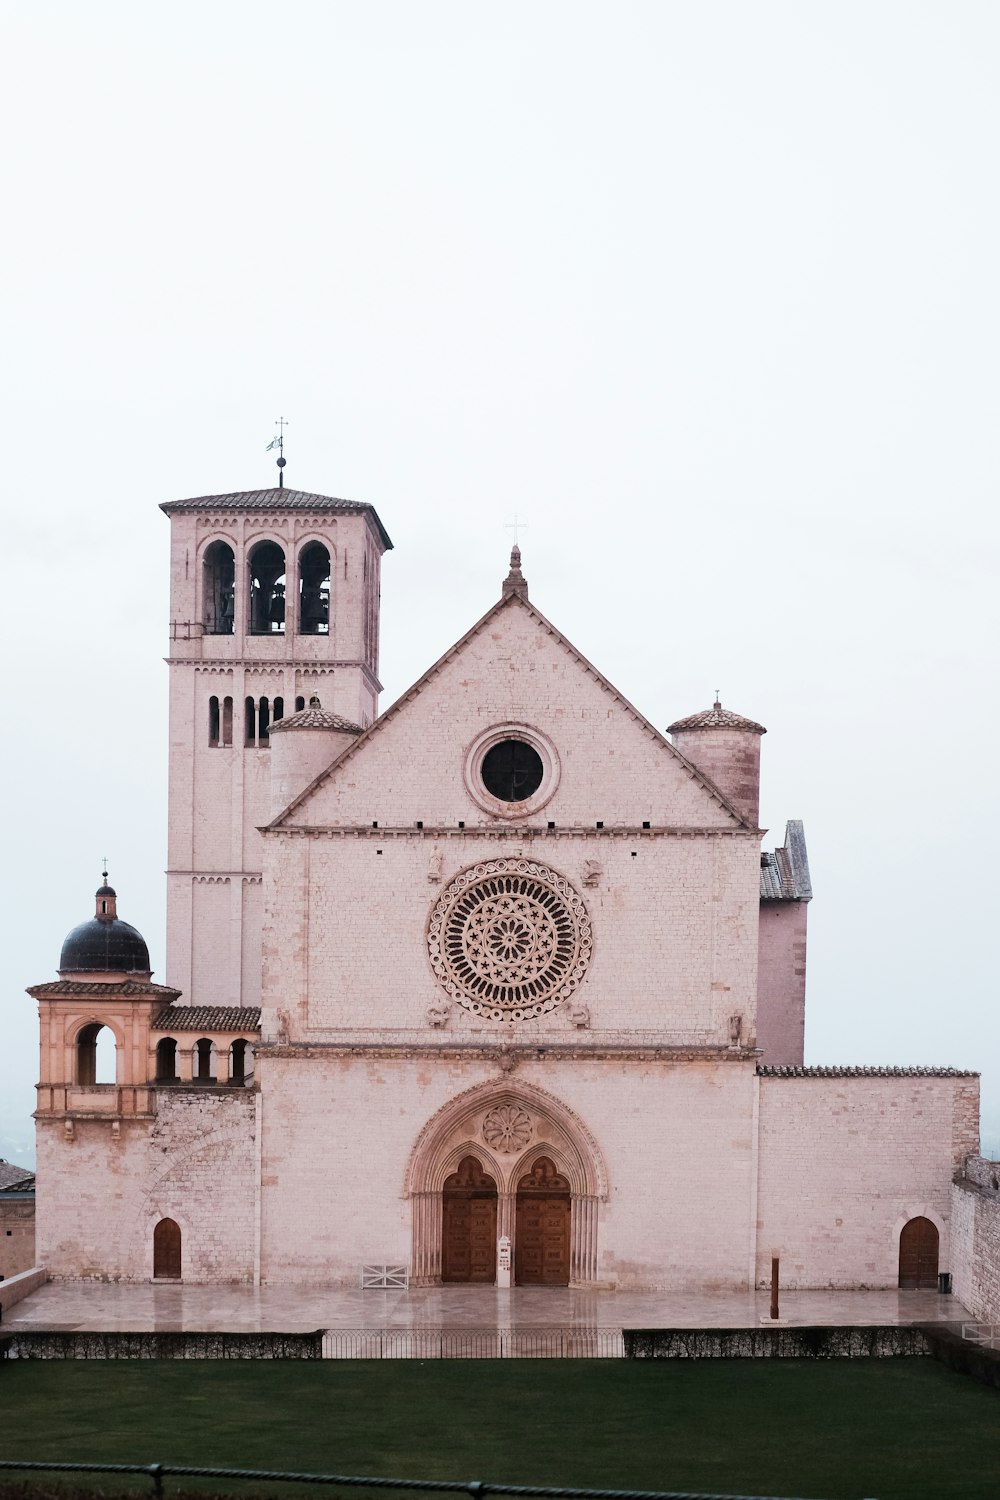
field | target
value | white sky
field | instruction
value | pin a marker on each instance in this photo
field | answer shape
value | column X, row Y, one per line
column 708, row 292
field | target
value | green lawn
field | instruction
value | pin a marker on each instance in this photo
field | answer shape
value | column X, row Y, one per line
column 882, row 1428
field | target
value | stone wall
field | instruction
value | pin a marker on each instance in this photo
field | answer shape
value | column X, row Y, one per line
column 99, row 1198
column 17, row 1233
column 781, row 982
column 976, row 1238
column 846, row 1158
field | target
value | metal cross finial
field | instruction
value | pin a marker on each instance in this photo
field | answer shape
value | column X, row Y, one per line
column 104, row 872
column 514, row 525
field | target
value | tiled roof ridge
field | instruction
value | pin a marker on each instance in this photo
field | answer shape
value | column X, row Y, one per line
column 820, row 1071
column 715, row 717
column 101, row 987
column 277, row 498
column 316, row 718
column 207, row 1018
column 784, row 872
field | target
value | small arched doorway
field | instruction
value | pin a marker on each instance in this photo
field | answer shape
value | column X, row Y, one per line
column 542, row 1236
column 167, row 1250
column 918, row 1254
column 469, row 1227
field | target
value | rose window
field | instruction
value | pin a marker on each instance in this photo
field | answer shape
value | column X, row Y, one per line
column 510, row 939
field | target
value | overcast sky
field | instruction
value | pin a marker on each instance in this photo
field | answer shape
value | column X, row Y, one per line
column 707, row 292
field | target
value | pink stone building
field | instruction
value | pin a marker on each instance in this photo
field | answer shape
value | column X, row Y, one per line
column 501, row 970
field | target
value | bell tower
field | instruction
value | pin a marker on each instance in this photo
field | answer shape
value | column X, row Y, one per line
column 274, row 599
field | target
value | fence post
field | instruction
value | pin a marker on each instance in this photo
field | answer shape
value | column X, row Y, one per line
column 155, row 1472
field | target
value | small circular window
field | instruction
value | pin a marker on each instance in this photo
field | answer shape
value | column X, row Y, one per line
column 512, row 771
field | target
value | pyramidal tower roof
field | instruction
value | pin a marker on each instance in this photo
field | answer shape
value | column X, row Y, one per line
column 715, row 717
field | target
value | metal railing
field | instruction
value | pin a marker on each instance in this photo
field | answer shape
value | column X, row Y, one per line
column 476, row 1488
column 982, row 1333
column 473, row 1343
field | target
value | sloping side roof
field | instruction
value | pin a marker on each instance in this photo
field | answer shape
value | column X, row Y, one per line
column 15, row 1179
column 207, row 1018
column 280, row 499
column 511, row 601
column 784, row 875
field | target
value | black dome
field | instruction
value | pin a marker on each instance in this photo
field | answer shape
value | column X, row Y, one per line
column 105, row 944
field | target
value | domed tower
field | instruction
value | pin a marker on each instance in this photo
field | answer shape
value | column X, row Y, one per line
column 726, row 747
column 104, row 997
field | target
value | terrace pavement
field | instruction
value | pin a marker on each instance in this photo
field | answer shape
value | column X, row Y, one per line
column 107, row 1308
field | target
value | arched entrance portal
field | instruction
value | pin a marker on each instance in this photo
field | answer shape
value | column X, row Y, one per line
column 537, row 1178
column 542, row 1233
column 918, row 1254
column 469, row 1224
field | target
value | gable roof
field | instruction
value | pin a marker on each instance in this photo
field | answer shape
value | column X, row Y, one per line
column 280, row 499
column 513, row 600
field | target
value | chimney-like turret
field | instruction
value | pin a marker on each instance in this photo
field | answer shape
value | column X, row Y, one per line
column 302, row 746
column 726, row 748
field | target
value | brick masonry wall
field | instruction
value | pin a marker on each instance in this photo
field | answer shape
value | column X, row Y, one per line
column 976, row 1239
column 99, row 1199
column 845, row 1162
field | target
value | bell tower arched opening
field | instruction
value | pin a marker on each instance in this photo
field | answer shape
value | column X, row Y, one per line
column 266, row 577
column 218, row 589
column 314, row 590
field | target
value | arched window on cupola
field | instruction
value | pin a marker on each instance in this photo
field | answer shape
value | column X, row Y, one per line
column 219, row 586
column 267, row 589
column 314, row 590
column 96, row 1055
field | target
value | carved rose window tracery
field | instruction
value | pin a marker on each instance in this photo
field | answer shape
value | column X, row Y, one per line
column 510, row 939
column 507, row 1128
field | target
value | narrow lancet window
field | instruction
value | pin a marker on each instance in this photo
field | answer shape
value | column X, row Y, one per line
column 213, row 721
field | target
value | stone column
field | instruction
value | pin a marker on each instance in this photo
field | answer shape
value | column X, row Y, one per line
column 185, row 1061
column 583, row 1240
column 425, row 1267
column 221, row 1051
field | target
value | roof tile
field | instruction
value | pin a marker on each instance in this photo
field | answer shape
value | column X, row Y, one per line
column 279, row 499
column 207, row 1018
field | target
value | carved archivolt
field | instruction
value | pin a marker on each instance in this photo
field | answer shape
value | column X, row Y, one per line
column 510, row 939
column 503, row 1124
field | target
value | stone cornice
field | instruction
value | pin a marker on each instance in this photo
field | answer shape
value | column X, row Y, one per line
column 510, row 1056
column 508, row 834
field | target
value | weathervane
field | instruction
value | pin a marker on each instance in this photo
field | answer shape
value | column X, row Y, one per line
column 279, row 443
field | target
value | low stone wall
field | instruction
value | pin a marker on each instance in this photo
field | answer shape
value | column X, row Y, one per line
column 881, row 1342
column 975, row 1239
column 16, row 1287
column 25, row 1344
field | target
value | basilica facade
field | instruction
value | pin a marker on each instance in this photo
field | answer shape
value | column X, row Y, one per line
column 497, row 984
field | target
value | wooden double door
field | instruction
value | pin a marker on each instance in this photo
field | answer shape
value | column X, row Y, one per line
column 541, row 1239
column 541, row 1226
column 918, row 1254
column 469, row 1230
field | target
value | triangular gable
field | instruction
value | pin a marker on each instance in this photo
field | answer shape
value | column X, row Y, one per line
column 513, row 601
